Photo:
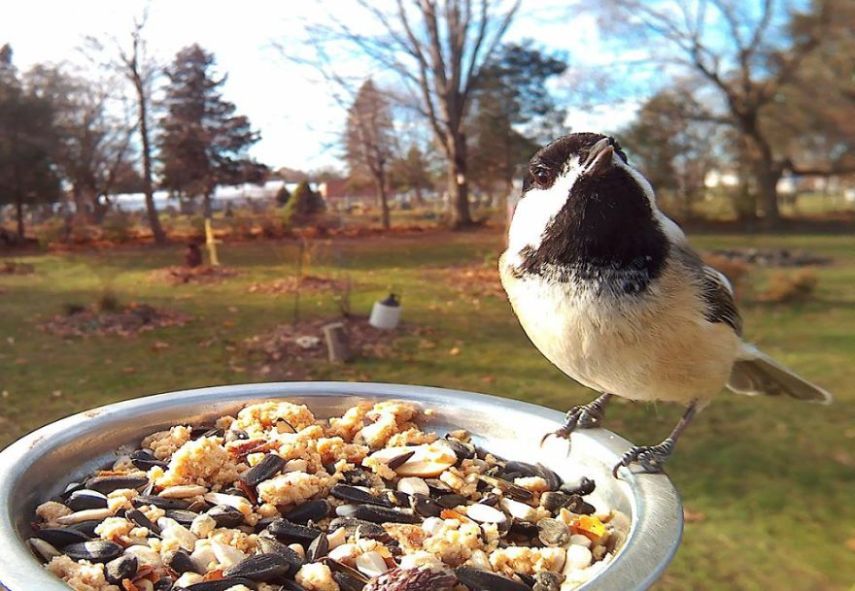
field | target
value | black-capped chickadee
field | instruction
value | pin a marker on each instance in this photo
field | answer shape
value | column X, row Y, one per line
column 609, row 290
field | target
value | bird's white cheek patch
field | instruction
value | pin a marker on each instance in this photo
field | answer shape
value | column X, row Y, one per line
column 536, row 210
column 671, row 229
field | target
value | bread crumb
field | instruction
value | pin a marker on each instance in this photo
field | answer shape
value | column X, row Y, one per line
column 80, row 576
column 164, row 443
column 292, row 488
column 51, row 511
column 204, row 461
column 316, row 576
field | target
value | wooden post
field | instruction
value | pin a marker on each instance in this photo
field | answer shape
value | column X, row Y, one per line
column 211, row 243
column 337, row 345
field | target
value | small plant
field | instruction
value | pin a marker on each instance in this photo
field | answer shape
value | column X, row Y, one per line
column 790, row 287
column 108, row 301
column 341, row 296
column 72, row 308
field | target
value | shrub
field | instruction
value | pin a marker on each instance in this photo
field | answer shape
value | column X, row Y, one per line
column 54, row 230
column 240, row 223
column 282, row 196
column 72, row 308
column 117, row 226
column 786, row 287
column 304, row 205
column 197, row 224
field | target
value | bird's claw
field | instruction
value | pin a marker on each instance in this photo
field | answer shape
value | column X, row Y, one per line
column 649, row 457
column 579, row 417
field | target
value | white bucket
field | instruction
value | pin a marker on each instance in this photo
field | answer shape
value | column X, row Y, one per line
column 385, row 316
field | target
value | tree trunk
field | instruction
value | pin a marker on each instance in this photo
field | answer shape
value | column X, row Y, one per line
column 458, row 183
column 151, row 209
column 80, row 210
column 207, row 210
column 767, row 176
column 19, row 214
column 765, row 171
column 384, row 201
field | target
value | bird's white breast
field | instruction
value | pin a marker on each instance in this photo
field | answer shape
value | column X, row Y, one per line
column 656, row 346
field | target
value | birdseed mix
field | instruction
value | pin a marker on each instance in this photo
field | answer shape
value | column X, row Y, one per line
column 274, row 499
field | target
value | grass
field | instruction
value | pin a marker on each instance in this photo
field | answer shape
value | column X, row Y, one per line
column 772, row 480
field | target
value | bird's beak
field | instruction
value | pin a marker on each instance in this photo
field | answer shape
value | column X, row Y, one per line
column 601, row 158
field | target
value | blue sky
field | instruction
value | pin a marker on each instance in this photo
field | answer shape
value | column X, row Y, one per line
column 298, row 119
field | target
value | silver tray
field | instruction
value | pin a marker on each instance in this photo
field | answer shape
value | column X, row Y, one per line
column 38, row 466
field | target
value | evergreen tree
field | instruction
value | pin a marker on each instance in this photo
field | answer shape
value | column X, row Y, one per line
column 27, row 172
column 282, row 195
column 304, row 204
column 203, row 142
column 514, row 113
column 412, row 173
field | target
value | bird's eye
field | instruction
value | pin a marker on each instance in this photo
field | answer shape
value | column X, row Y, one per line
column 542, row 175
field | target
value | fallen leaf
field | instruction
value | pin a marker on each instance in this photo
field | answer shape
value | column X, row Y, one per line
column 159, row 346
column 488, row 379
column 844, row 459
column 129, row 369
column 56, row 393
column 454, row 351
column 693, row 516
column 850, row 543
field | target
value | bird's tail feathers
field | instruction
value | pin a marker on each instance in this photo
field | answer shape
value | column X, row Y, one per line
column 756, row 373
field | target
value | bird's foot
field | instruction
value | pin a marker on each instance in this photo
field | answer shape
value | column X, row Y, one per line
column 649, row 457
column 585, row 416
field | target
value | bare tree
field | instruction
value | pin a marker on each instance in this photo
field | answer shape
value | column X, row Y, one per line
column 370, row 141
column 141, row 71
column 744, row 53
column 133, row 63
column 93, row 137
column 437, row 49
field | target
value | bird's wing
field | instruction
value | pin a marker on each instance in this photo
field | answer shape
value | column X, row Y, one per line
column 717, row 296
column 755, row 373
column 713, row 288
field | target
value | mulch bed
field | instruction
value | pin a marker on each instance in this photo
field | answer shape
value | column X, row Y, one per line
column 772, row 257
column 127, row 321
column 179, row 275
column 284, row 350
column 476, row 280
column 307, row 283
column 16, row 268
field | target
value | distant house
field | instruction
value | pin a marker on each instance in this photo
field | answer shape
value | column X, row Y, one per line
column 721, row 178
column 226, row 195
column 339, row 195
column 788, row 184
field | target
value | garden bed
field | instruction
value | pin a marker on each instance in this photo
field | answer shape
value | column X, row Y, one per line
column 126, row 321
column 180, row 275
column 308, row 283
column 284, row 351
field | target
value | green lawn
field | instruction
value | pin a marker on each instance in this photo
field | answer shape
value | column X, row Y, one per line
column 770, row 482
